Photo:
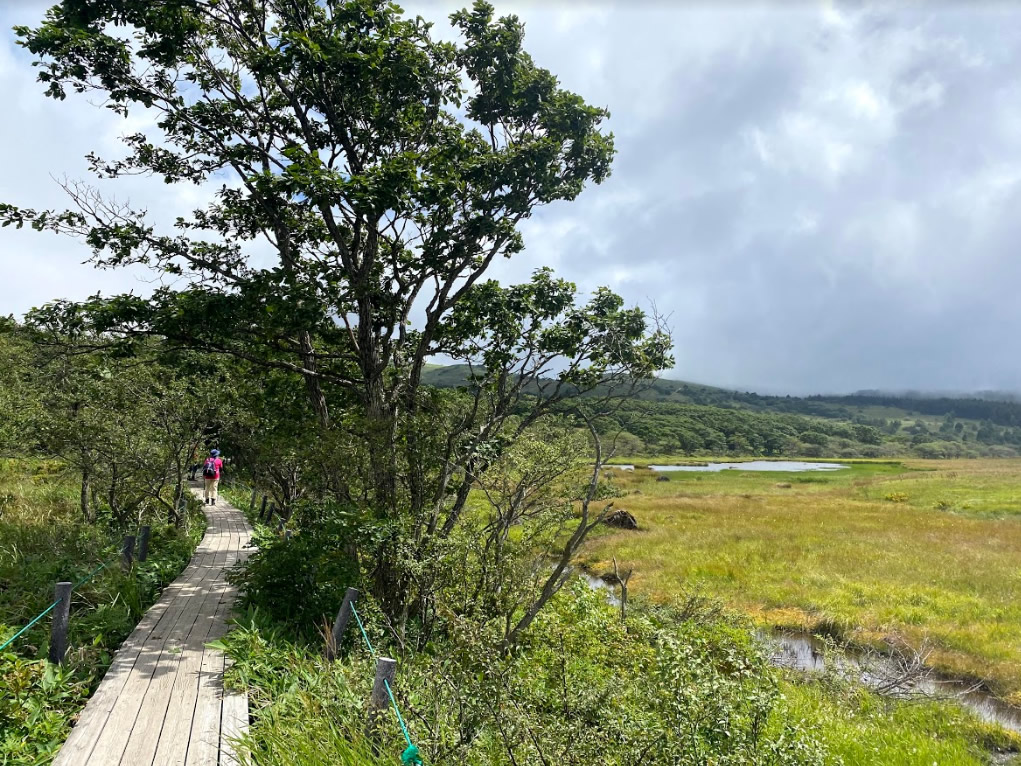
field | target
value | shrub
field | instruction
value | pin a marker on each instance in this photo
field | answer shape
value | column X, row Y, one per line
column 679, row 686
column 33, row 707
column 299, row 582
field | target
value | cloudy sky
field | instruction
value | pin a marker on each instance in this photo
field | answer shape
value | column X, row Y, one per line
column 820, row 197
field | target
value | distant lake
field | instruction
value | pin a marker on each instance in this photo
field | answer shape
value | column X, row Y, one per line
column 791, row 466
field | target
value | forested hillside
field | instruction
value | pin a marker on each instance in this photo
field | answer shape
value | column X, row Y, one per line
column 678, row 418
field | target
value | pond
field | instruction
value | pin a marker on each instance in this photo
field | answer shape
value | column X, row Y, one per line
column 788, row 466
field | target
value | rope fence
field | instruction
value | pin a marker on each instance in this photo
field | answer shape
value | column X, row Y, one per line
column 63, row 590
column 35, row 619
column 386, row 669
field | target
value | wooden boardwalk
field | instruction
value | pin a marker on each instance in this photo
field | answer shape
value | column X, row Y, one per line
column 162, row 700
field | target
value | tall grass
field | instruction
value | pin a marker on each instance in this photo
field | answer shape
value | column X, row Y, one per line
column 859, row 728
column 830, row 551
column 43, row 541
column 308, row 741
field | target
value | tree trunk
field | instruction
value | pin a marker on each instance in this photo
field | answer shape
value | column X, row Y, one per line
column 86, row 509
column 315, row 391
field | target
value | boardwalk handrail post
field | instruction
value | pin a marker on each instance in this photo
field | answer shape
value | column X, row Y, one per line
column 61, row 616
column 340, row 624
column 251, row 505
column 128, row 552
column 262, row 511
column 379, row 701
column 143, row 542
column 269, row 516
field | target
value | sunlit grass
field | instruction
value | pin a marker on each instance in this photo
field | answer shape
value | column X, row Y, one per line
column 862, row 729
column 828, row 550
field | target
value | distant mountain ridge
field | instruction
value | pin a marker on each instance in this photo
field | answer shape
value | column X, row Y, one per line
column 989, row 396
column 983, row 405
column 678, row 417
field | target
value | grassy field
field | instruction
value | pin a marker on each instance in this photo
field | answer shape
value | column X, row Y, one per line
column 920, row 550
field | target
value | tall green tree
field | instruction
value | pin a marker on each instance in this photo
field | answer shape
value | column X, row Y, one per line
column 387, row 170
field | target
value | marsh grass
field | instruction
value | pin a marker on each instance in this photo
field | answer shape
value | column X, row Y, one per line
column 859, row 728
column 834, row 553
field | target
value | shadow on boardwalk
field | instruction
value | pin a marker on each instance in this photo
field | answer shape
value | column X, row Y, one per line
column 162, row 700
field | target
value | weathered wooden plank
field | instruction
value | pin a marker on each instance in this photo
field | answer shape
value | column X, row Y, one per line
column 161, row 700
column 156, row 666
column 204, row 737
column 184, row 697
column 158, row 621
column 234, row 710
column 233, row 725
column 169, row 700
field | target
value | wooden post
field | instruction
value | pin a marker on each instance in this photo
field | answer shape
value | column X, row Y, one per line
column 386, row 670
column 287, row 534
column 262, row 511
column 340, row 624
column 251, row 505
column 127, row 552
column 143, row 543
column 622, row 580
column 269, row 516
column 58, row 630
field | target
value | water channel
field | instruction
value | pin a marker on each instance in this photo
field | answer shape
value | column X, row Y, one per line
column 788, row 466
column 809, row 655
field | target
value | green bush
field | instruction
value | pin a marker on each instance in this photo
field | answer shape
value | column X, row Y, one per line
column 298, row 582
column 34, row 704
column 671, row 688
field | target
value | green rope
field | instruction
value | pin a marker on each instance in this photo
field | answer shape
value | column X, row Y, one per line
column 361, row 627
column 49, row 609
column 42, row 614
column 400, row 719
column 92, row 574
column 410, row 754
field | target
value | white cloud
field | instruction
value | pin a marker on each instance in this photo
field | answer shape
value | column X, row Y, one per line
column 822, row 197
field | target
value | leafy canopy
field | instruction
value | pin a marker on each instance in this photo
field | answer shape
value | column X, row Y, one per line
column 369, row 175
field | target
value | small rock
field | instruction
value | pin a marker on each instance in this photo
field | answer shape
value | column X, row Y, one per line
column 621, row 519
column 783, row 485
column 662, row 478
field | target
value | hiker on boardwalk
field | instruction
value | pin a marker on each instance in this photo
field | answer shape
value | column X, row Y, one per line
column 211, row 474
